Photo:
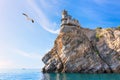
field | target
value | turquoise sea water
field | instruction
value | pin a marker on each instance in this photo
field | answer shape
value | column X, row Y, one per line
column 38, row 75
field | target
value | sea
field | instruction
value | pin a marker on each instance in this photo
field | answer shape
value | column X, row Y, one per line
column 36, row 74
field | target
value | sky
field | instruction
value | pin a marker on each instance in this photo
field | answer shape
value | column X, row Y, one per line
column 23, row 44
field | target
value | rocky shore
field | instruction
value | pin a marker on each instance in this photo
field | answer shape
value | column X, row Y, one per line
column 82, row 50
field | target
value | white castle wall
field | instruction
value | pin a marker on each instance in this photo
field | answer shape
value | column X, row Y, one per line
column 67, row 19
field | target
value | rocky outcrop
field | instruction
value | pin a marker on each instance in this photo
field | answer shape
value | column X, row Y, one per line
column 77, row 49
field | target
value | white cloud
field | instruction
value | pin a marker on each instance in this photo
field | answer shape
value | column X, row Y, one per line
column 28, row 54
column 42, row 18
column 11, row 57
column 36, row 58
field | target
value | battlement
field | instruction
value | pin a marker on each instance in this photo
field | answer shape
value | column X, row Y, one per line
column 68, row 20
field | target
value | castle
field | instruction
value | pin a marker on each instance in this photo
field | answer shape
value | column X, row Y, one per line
column 67, row 20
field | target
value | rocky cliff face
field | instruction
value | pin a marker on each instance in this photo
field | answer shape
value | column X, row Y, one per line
column 83, row 50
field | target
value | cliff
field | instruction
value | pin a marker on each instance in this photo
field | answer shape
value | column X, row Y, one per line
column 77, row 49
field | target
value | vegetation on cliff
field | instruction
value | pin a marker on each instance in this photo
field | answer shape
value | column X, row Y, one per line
column 78, row 49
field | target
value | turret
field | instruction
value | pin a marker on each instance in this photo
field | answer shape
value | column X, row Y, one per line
column 68, row 20
column 64, row 14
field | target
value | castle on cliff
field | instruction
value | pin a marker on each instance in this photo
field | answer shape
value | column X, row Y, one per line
column 68, row 20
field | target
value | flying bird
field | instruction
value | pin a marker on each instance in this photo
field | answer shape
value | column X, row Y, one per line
column 28, row 18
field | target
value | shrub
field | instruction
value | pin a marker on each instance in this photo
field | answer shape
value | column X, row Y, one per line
column 118, row 27
column 99, row 28
column 108, row 29
column 98, row 36
column 97, row 52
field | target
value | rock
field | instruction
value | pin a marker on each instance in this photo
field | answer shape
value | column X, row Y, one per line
column 77, row 49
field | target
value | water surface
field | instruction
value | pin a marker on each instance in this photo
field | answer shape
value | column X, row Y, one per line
column 35, row 74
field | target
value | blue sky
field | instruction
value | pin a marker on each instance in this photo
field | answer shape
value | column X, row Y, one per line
column 23, row 43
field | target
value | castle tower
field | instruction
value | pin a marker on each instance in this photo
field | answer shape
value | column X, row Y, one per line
column 64, row 17
column 64, row 14
column 68, row 20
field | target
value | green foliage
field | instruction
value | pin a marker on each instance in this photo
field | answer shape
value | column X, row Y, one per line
column 97, row 52
column 98, row 36
column 78, row 41
column 118, row 58
column 108, row 29
column 118, row 27
column 99, row 28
